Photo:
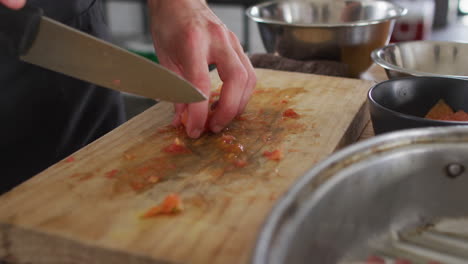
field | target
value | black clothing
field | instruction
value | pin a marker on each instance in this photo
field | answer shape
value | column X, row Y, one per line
column 45, row 116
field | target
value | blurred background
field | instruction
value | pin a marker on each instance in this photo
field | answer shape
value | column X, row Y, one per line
column 426, row 19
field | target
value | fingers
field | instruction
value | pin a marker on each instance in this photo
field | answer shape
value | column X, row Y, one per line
column 232, row 72
column 251, row 78
column 13, row 4
column 197, row 113
column 193, row 61
column 196, row 40
column 178, row 108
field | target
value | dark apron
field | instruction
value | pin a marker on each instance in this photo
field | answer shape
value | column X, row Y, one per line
column 45, row 116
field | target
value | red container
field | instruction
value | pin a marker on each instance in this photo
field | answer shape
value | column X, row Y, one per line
column 417, row 24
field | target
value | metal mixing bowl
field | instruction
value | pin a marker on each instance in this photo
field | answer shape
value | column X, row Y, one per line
column 423, row 58
column 402, row 103
column 346, row 31
column 338, row 212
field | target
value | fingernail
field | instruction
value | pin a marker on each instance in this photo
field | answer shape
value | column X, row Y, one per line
column 217, row 128
column 195, row 133
column 176, row 121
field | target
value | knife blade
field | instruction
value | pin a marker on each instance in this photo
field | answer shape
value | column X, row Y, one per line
column 45, row 42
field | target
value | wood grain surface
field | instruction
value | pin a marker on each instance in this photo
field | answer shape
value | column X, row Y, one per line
column 376, row 74
column 87, row 208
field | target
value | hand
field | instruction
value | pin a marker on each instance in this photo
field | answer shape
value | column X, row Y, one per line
column 187, row 38
column 13, row 4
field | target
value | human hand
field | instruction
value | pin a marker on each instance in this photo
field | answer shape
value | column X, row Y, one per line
column 13, row 4
column 187, row 38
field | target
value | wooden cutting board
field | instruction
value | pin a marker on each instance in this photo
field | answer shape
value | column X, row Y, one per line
column 87, row 208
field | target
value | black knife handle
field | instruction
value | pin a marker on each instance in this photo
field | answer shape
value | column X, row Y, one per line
column 19, row 28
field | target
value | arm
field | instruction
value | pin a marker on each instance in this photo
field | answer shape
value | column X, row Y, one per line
column 13, row 4
column 188, row 37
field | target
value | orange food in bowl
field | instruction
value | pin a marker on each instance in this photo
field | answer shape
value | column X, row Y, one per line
column 442, row 111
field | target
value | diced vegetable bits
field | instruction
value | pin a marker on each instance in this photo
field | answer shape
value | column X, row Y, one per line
column 172, row 204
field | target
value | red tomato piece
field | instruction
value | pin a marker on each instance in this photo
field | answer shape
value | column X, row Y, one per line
column 184, row 117
column 290, row 113
column 460, row 116
column 177, row 147
column 70, row 159
column 240, row 163
column 137, row 186
column 172, row 204
column 228, row 139
column 153, row 179
column 111, row 174
column 275, row 155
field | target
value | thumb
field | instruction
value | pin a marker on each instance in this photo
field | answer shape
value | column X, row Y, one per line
column 13, row 4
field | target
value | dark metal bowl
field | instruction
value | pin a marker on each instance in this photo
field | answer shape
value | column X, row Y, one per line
column 402, row 103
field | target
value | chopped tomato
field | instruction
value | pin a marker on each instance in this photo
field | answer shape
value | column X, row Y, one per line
column 267, row 138
column 442, row 111
column 229, row 139
column 153, row 179
column 240, row 118
column 290, row 113
column 172, row 204
column 273, row 155
column 116, row 82
column 142, row 170
column 240, row 163
column 177, row 147
column 460, row 115
column 86, row 176
column 111, row 174
column 284, row 101
column 259, row 91
column 137, row 186
column 184, row 117
column 70, row 159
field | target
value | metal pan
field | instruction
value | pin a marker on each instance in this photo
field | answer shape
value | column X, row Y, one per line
column 343, row 207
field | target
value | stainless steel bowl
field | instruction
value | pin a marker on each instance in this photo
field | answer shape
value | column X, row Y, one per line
column 423, row 58
column 346, row 31
column 340, row 209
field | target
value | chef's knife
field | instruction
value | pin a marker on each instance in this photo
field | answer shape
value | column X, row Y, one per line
column 47, row 43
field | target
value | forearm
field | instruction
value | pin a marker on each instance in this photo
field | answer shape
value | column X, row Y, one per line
column 17, row 4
